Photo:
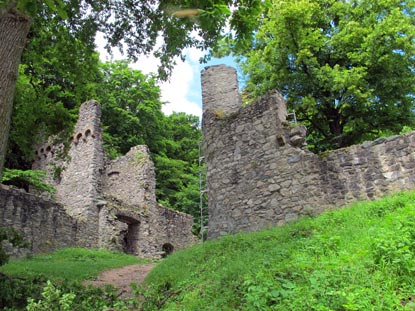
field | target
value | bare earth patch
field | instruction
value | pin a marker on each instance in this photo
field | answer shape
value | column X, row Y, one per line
column 121, row 278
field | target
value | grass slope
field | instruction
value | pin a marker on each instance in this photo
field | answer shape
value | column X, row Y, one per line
column 358, row 258
column 70, row 264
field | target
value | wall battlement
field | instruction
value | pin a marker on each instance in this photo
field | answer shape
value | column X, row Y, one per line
column 260, row 172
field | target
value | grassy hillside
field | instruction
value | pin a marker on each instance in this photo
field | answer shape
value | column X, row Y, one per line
column 357, row 258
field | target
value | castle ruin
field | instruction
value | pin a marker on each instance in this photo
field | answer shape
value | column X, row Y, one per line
column 99, row 203
column 260, row 172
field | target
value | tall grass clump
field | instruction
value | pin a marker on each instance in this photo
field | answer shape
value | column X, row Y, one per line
column 358, row 258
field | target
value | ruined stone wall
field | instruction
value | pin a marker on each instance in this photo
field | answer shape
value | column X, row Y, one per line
column 77, row 175
column 44, row 223
column 131, row 179
column 177, row 228
column 260, row 173
column 80, row 184
column 114, row 202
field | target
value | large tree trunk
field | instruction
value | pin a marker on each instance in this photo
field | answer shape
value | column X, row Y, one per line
column 14, row 28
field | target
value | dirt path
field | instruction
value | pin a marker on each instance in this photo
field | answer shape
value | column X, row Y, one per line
column 121, row 278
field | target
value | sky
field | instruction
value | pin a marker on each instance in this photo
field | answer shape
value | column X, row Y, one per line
column 182, row 92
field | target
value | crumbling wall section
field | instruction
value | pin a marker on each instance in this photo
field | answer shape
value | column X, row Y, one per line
column 131, row 179
column 177, row 229
column 260, row 172
column 44, row 224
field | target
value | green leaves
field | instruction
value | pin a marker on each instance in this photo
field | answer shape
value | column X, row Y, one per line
column 32, row 177
column 57, row 6
column 131, row 108
column 347, row 69
column 32, row 7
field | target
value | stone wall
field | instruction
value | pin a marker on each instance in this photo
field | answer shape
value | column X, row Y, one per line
column 44, row 223
column 131, row 178
column 130, row 195
column 260, row 172
column 174, row 225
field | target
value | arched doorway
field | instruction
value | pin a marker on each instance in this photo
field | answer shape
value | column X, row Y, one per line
column 130, row 236
column 167, row 249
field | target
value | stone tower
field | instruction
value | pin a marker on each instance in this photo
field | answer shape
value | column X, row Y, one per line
column 220, row 90
column 239, row 147
column 80, row 183
column 77, row 175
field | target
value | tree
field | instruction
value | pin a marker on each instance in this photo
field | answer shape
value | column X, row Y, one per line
column 346, row 67
column 13, row 31
column 177, row 167
column 58, row 72
column 131, row 109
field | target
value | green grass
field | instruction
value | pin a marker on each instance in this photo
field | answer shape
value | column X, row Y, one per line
column 71, row 264
column 358, row 258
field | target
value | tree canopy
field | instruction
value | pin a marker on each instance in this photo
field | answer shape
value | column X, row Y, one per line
column 347, row 68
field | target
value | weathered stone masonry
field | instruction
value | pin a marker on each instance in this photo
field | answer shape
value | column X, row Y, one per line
column 260, row 172
column 44, row 223
column 99, row 203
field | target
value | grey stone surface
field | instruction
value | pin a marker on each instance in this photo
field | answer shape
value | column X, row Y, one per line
column 220, row 90
column 99, row 203
column 260, row 172
column 44, row 223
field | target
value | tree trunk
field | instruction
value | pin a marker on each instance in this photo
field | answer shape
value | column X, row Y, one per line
column 14, row 28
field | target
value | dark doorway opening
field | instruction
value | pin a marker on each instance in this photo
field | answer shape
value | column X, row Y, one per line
column 129, row 243
column 167, row 249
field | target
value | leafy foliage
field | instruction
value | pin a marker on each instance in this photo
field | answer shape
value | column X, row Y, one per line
column 138, row 27
column 76, row 297
column 131, row 108
column 54, row 300
column 345, row 67
column 15, row 291
column 177, row 166
column 33, row 178
column 357, row 258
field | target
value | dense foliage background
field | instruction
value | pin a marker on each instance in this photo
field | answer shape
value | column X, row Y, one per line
column 347, row 68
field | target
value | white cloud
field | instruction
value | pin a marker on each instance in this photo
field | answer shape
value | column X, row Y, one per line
column 177, row 90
